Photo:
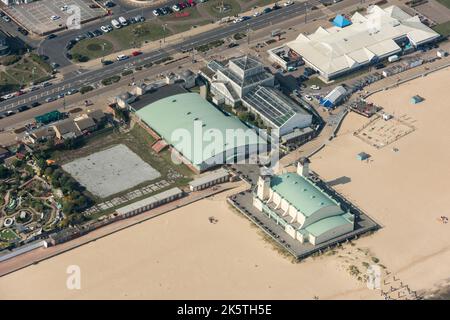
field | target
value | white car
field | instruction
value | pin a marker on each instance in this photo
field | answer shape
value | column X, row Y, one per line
column 54, row 18
column 240, row 19
column 176, row 8
column 257, row 14
column 315, row 87
column 288, row 3
column 155, row 12
column 105, row 29
column 308, row 97
column 121, row 57
column 64, row 8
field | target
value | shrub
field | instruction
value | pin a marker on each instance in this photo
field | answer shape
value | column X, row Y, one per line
column 86, row 89
column 127, row 73
column 110, row 80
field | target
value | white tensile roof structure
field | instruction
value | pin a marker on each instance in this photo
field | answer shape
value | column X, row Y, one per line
column 337, row 50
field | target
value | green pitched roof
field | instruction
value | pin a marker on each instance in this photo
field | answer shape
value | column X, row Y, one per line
column 302, row 194
column 168, row 115
column 326, row 224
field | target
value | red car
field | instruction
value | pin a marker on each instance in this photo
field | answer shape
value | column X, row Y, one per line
column 191, row 3
column 136, row 53
column 182, row 5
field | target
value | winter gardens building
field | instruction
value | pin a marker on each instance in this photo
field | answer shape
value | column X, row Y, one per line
column 306, row 212
column 338, row 50
column 245, row 81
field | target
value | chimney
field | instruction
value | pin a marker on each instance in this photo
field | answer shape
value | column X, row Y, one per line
column 303, row 167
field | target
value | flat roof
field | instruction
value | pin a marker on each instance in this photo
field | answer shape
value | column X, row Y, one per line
column 208, row 177
column 157, row 94
column 178, row 118
column 335, row 49
column 302, row 193
column 150, row 200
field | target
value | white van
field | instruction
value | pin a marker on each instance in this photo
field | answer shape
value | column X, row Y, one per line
column 121, row 57
column 123, row 21
column 116, row 24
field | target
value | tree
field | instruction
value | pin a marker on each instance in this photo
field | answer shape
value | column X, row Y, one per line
column 4, row 172
column 48, row 171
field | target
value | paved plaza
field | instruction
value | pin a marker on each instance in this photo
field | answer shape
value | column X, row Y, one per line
column 111, row 171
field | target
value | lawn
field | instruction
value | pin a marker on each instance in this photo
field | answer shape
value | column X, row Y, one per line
column 30, row 69
column 181, row 27
column 445, row 3
column 93, row 48
column 443, row 28
column 8, row 235
column 213, row 7
column 135, row 35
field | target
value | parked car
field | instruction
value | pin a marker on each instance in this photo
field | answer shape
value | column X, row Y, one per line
column 315, row 87
column 176, row 8
column 54, row 18
column 71, row 92
column 51, row 36
column 136, row 53
column 288, row 3
column 267, row 10
column 6, row 18
column 121, row 57
column 23, row 108
column 109, row 4
column 97, row 33
column 308, row 97
column 156, row 12
column 50, row 99
column 35, row 104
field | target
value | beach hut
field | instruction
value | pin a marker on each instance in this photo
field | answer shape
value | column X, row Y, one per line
column 416, row 99
column 341, row 22
column 362, row 156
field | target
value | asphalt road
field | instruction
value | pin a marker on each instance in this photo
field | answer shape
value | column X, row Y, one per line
column 82, row 78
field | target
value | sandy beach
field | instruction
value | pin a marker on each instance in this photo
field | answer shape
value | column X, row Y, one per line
column 405, row 191
column 181, row 255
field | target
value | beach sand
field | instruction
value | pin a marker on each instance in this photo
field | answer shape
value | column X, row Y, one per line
column 405, row 191
column 181, row 255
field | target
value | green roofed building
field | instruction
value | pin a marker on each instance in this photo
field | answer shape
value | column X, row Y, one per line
column 202, row 135
column 306, row 212
column 49, row 117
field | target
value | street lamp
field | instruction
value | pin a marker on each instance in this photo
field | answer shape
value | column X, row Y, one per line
column 164, row 32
